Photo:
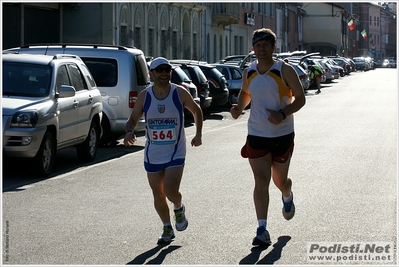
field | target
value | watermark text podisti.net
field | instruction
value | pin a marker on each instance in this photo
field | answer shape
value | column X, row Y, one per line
column 350, row 252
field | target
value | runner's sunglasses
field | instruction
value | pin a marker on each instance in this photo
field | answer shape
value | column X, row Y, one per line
column 160, row 69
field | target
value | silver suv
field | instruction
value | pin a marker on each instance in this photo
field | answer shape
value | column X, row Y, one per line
column 120, row 73
column 49, row 103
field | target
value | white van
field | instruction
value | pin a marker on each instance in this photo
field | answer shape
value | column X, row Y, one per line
column 120, row 74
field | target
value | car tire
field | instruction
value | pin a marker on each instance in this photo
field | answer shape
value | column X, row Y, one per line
column 106, row 131
column 87, row 151
column 107, row 137
column 44, row 159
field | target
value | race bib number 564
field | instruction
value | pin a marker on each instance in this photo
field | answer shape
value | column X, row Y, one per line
column 162, row 131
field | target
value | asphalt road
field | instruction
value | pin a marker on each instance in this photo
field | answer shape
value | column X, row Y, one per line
column 344, row 172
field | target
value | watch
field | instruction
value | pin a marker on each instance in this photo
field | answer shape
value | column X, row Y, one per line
column 282, row 113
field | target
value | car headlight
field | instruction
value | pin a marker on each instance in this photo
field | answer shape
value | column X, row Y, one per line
column 24, row 119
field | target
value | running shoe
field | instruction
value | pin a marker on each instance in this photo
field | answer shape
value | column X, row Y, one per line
column 262, row 237
column 289, row 208
column 181, row 220
column 167, row 235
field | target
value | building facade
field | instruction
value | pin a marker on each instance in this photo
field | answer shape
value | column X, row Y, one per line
column 205, row 31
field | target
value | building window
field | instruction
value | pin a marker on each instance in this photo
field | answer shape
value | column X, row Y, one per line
column 163, row 43
column 236, row 45
column 208, row 50
column 137, row 37
column 214, row 48
column 226, row 45
column 151, row 42
column 195, row 52
column 195, row 40
column 123, row 36
column 137, row 30
column 151, row 33
column 269, row 9
column 221, row 47
column 174, row 45
column 164, row 37
column 123, row 30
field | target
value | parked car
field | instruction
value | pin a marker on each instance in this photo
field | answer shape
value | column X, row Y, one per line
column 233, row 75
column 120, row 74
column 360, row 63
column 217, row 82
column 199, row 79
column 249, row 58
column 352, row 63
column 336, row 66
column 392, row 63
column 179, row 77
column 290, row 54
column 234, row 59
column 344, row 64
column 335, row 69
column 49, row 103
column 302, row 75
column 385, row 64
column 327, row 69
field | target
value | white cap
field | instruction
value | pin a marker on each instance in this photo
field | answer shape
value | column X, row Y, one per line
column 158, row 62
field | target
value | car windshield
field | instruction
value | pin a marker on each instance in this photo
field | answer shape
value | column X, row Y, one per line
column 201, row 74
column 178, row 75
column 30, row 80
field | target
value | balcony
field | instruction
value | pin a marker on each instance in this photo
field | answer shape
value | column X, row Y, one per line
column 224, row 14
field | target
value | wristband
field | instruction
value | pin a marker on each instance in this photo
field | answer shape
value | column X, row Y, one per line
column 282, row 113
column 129, row 131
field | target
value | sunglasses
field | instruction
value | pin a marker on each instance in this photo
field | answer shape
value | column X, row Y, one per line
column 160, row 70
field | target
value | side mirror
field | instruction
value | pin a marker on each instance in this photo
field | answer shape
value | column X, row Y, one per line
column 66, row 91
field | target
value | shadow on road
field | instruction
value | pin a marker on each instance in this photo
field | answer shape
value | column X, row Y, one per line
column 271, row 257
column 142, row 258
column 19, row 172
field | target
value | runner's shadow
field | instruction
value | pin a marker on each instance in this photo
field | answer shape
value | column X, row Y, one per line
column 141, row 259
column 271, row 257
column 253, row 257
column 275, row 254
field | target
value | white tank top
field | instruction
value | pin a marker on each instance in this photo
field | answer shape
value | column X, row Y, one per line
column 166, row 139
column 268, row 91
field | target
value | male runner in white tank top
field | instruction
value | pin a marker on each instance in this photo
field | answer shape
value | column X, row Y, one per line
column 269, row 85
column 165, row 149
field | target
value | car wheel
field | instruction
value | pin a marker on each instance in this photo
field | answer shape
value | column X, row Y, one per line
column 233, row 99
column 107, row 137
column 87, row 151
column 106, row 131
column 44, row 159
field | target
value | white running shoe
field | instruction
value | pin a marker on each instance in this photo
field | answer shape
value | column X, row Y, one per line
column 167, row 235
column 181, row 220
